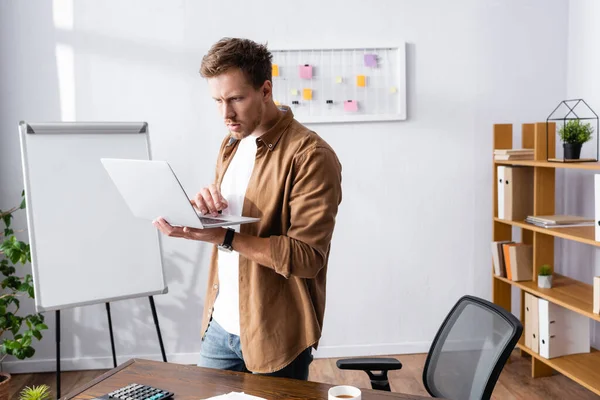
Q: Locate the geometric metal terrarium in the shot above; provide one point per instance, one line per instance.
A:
(566, 112)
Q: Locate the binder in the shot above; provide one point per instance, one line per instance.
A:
(528, 328)
(506, 254)
(561, 331)
(535, 324)
(498, 258)
(597, 205)
(596, 295)
(518, 193)
(500, 199)
(521, 261)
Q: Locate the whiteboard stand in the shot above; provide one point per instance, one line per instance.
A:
(71, 199)
(112, 339)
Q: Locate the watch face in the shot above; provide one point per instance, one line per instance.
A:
(228, 249)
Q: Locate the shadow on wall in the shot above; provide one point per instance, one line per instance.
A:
(41, 83)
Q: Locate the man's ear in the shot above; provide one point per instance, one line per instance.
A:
(267, 90)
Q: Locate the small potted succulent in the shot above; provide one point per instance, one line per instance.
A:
(41, 392)
(574, 134)
(545, 277)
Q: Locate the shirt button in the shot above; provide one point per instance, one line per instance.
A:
(215, 286)
(270, 145)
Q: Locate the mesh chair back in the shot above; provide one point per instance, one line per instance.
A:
(470, 350)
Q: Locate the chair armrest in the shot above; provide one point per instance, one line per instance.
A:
(369, 364)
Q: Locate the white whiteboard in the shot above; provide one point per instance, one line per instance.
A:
(319, 96)
(86, 246)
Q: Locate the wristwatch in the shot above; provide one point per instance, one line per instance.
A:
(226, 245)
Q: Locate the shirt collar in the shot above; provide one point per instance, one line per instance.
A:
(272, 136)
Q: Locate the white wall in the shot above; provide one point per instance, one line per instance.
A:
(576, 188)
(392, 277)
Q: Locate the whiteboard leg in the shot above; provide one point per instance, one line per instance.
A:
(57, 354)
(112, 338)
(162, 347)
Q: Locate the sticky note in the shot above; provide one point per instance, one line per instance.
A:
(339, 79)
(393, 89)
(294, 92)
(307, 94)
(305, 71)
(361, 80)
(275, 70)
(277, 103)
(370, 60)
(351, 105)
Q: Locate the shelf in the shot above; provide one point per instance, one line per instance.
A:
(582, 234)
(566, 292)
(547, 164)
(582, 368)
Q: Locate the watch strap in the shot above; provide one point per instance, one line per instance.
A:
(228, 238)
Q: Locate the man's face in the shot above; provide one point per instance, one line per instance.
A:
(238, 102)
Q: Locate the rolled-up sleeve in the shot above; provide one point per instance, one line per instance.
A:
(316, 194)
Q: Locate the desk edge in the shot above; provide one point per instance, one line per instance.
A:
(99, 379)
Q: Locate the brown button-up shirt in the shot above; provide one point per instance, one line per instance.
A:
(295, 190)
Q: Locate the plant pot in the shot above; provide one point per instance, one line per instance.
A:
(572, 151)
(545, 281)
(5, 379)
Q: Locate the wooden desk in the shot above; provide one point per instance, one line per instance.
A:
(191, 382)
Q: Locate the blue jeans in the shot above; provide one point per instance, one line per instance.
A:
(222, 350)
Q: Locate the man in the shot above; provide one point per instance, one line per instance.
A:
(266, 299)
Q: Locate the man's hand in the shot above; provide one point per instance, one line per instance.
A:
(211, 235)
(209, 200)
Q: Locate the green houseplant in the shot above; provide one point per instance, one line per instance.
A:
(574, 134)
(545, 277)
(41, 392)
(23, 328)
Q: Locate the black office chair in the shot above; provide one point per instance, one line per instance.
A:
(466, 356)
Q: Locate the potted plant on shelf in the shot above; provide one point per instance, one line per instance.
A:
(41, 392)
(574, 134)
(545, 277)
(15, 253)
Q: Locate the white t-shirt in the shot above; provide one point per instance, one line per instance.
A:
(233, 188)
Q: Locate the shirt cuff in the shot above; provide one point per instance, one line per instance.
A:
(280, 253)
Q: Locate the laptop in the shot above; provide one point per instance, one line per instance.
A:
(151, 190)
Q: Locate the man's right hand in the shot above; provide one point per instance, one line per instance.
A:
(209, 200)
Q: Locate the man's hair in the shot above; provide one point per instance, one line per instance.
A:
(253, 59)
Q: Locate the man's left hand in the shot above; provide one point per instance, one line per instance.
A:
(211, 235)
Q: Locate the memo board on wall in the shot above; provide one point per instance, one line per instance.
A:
(342, 85)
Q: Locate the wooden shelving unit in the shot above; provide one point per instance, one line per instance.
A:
(581, 234)
(566, 292)
(582, 368)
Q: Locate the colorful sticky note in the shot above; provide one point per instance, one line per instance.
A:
(294, 92)
(307, 94)
(370, 60)
(351, 105)
(275, 70)
(361, 80)
(393, 89)
(305, 71)
(338, 79)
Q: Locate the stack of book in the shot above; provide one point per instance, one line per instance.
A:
(558, 221)
(513, 261)
(513, 154)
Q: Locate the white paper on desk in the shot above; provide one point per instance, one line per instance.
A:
(236, 396)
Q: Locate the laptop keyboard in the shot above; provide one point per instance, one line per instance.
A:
(205, 220)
